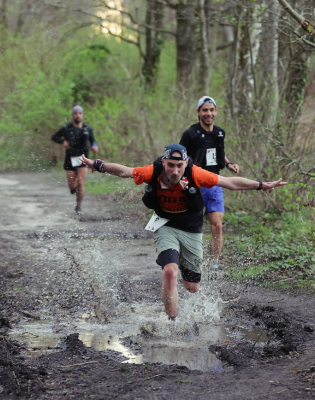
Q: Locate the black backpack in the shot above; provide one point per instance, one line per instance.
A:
(194, 193)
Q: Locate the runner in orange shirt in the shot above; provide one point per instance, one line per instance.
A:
(173, 192)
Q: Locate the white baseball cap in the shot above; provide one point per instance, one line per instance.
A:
(205, 99)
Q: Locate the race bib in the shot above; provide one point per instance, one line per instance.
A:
(155, 223)
(76, 162)
(211, 156)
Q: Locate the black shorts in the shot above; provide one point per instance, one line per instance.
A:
(172, 256)
(68, 166)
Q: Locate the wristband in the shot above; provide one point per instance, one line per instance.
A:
(260, 185)
(227, 164)
(98, 165)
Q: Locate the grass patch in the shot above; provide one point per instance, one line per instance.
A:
(103, 184)
(272, 250)
(251, 272)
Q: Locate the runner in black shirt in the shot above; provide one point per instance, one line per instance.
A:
(205, 145)
(76, 137)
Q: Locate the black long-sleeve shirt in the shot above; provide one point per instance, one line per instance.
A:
(78, 138)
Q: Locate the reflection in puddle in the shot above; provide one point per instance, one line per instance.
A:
(194, 358)
(190, 351)
(184, 343)
(36, 345)
(258, 335)
(105, 341)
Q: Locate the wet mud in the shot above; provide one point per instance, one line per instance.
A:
(81, 313)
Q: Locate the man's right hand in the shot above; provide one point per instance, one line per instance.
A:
(66, 145)
(234, 168)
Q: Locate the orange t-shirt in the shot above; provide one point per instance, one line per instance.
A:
(175, 200)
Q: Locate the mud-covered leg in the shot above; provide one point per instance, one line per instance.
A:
(81, 175)
(169, 289)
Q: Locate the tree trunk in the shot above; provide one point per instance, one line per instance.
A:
(234, 68)
(213, 34)
(274, 103)
(269, 52)
(205, 63)
(185, 43)
(154, 41)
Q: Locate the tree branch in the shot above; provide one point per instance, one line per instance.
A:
(308, 42)
(288, 157)
(307, 25)
(128, 41)
(129, 15)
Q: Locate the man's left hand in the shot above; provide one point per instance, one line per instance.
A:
(87, 162)
(272, 185)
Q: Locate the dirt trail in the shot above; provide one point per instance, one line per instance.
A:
(79, 281)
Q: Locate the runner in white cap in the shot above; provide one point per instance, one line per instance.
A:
(204, 142)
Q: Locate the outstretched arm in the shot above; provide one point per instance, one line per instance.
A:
(238, 183)
(114, 169)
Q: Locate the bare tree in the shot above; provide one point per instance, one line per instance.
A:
(185, 42)
(154, 40)
(204, 76)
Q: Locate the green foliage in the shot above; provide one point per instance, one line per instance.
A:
(32, 102)
(87, 68)
(272, 249)
(269, 154)
(106, 119)
(130, 123)
(42, 79)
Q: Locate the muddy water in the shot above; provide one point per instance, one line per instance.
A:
(107, 253)
(149, 340)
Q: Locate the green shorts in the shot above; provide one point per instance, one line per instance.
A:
(188, 245)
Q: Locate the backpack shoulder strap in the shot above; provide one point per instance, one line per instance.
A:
(157, 170)
(188, 172)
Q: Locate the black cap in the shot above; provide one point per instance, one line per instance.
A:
(169, 150)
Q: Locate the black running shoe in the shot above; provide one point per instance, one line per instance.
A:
(73, 191)
(78, 210)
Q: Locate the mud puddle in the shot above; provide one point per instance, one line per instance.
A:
(149, 341)
(46, 267)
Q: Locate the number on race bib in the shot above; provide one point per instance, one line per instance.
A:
(211, 157)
